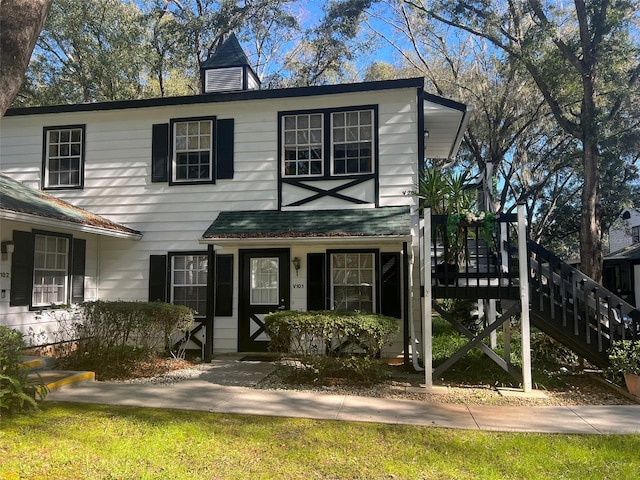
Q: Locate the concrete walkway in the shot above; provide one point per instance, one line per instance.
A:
(225, 387)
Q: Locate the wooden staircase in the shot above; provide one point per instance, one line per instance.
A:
(563, 302)
(575, 310)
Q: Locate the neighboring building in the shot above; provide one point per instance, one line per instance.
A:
(625, 231)
(622, 265)
(234, 202)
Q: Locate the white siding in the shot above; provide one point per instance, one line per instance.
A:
(41, 327)
(620, 232)
(173, 218)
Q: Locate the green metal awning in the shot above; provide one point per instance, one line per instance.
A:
(389, 222)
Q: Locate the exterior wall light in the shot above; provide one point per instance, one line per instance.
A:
(296, 264)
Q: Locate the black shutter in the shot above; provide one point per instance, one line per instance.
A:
(21, 269)
(160, 152)
(224, 148)
(316, 281)
(78, 270)
(391, 292)
(158, 278)
(224, 285)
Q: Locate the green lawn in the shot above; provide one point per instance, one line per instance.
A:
(67, 441)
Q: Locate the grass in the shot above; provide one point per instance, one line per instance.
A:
(66, 441)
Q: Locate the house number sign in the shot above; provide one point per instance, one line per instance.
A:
(298, 285)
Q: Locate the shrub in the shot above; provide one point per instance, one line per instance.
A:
(113, 335)
(16, 394)
(624, 357)
(332, 343)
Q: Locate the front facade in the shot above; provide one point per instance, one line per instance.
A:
(245, 201)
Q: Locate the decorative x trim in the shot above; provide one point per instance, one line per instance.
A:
(332, 192)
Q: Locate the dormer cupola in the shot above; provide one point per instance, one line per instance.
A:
(228, 70)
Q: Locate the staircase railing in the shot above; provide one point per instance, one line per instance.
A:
(576, 304)
(467, 264)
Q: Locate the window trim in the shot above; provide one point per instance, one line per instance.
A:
(172, 151)
(44, 180)
(375, 301)
(68, 273)
(170, 284)
(327, 143)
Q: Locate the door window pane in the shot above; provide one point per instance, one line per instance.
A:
(265, 281)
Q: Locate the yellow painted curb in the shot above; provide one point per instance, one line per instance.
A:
(35, 363)
(71, 379)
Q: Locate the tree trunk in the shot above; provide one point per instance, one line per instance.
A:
(20, 24)
(590, 228)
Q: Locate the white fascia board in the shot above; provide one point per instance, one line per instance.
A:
(57, 223)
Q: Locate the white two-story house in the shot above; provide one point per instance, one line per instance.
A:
(236, 202)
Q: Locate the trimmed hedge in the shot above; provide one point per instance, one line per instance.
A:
(329, 332)
(332, 343)
(112, 335)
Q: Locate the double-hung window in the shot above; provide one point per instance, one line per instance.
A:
(352, 141)
(303, 144)
(50, 270)
(193, 158)
(353, 281)
(189, 282)
(63, 157)
(328, 143)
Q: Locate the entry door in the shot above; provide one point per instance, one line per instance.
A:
(264, 280)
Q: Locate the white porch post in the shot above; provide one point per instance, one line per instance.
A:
(427, 347)
(523, 264)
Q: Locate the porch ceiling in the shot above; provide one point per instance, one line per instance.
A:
(379, 223)
(445, 121)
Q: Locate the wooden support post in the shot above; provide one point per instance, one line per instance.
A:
(523, 257)
(427, 347)
(490, 315)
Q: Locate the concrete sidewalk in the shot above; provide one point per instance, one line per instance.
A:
(218, 390)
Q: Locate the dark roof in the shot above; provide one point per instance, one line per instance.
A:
(21, 199)
(632, 252)
(229, 54)
(389, 221)
(263, 94)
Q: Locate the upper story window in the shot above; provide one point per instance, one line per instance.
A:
(193, 151)
(635, 234)
(303, 144)
(327, 143)
(352, 138)
(63, 158)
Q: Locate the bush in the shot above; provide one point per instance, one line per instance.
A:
(115, 335)
(331, 343)
(15, 393)
(624, 357)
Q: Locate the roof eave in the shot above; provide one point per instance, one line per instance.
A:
(351, 239)
(462, 127)
(57, 223)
